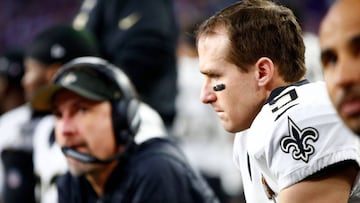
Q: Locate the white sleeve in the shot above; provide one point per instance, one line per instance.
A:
(49, 161)
(298, 134)
(302, 145)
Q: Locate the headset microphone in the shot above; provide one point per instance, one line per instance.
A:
(87, 158)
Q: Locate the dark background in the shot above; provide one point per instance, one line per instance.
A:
(20, 20)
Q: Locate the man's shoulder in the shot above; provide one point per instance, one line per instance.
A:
(160, 160)
(158, 149)
(11, 124)
(159, 154)
(307, 101)
(17, 115)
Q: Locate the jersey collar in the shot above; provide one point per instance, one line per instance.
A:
(278, 90)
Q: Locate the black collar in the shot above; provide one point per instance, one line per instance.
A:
(278, 90)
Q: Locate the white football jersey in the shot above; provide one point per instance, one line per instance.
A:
(11, 127)
(296, 134)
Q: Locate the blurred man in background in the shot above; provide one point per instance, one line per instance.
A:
(43, 57)
(140, 37)
(116, 146)
(11, 73)
(340, 56)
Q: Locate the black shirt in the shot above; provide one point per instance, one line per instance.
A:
(145, 49)
(157, 172)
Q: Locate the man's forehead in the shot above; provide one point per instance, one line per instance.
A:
(340, 23)
(213, 49)
(343, 13)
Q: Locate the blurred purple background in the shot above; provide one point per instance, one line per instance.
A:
(20, 20)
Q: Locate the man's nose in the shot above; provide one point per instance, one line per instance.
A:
(207, 94)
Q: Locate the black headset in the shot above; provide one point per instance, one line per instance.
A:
(125, 109)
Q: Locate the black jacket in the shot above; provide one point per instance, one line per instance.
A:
(156, 172)
(140, 36)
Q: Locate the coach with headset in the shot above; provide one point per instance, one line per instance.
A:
(115, 145)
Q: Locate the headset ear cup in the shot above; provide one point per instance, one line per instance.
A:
(133, 116)
(126, 119)
(119, 119)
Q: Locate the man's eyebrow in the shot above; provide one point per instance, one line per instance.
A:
(206, 72)
(353, 43)
(209, 73)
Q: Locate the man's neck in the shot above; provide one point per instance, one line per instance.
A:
(99, 178)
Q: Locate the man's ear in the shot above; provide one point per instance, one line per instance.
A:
(265, 70)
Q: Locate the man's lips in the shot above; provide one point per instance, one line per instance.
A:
(347, 101)
(78, 147)
(350, 108)
(220, 113)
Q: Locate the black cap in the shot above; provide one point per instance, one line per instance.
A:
(60, 44)
(84, 83)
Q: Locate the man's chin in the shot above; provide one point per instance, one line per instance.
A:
(76, 171)
(77, 168)
(230, 128)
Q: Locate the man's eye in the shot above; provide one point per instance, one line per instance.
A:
(57, 114)
(328, 60)
(357, 51)
(82, 108)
